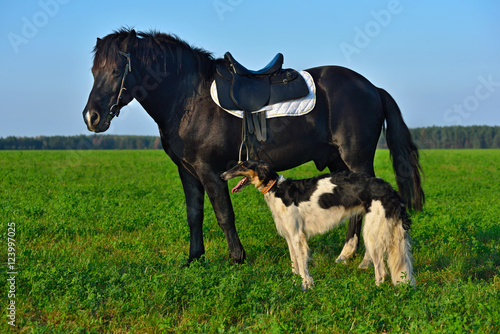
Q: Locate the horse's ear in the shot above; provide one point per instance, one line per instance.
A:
(98, 42)
(128, 41)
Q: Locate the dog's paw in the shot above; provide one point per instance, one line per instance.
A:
(341, 259)
(365, 263)
(307, 283)
(348, 251)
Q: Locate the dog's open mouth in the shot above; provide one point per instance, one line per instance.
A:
(242, 184)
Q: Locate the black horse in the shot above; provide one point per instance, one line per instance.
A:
(171, 80)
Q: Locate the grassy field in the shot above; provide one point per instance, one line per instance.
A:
(100, 238)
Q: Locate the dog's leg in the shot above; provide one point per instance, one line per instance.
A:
(367, 260)
(379, 265)
(293, 256)
(351, 244)
(302, 251)
(377, 256)
(375, 236)
(287, 230)
(350, 248)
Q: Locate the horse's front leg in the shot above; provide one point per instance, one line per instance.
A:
(195, 196)
(218, 194)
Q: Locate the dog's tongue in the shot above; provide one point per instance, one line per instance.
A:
(238, 186)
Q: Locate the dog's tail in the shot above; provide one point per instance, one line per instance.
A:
(386, 234)
(399, 257)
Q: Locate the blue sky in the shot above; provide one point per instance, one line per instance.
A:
(440, 60)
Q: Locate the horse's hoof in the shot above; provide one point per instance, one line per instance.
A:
(191, 260)
(239, 258)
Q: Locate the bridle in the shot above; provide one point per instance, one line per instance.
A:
(114, 111)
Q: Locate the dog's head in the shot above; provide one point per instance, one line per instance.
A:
(258, 173)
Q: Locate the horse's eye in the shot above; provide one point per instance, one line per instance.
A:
(117, 72)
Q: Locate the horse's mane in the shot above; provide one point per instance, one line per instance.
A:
(150, 48)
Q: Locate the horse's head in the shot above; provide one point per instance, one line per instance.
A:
(113, 80)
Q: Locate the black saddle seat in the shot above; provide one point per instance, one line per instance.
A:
(239, 88)
(271, 68)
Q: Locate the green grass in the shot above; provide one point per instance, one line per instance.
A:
(101, 237)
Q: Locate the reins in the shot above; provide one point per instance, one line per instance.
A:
(114, 111)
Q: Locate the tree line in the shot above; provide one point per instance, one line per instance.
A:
(81, 142)
(477, 136)
(427, 137)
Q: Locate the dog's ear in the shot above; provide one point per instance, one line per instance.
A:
(265, 172)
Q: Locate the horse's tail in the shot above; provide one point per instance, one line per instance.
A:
(404, 154)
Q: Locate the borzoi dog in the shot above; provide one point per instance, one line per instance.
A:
(303, 208)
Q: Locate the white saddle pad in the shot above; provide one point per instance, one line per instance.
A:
(297, 107)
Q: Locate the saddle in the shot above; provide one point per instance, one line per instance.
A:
(239, 88)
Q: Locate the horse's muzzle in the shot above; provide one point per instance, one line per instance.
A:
(93, 120)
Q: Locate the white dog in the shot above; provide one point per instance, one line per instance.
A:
(303, 208)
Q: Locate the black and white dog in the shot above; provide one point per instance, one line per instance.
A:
(303, 208)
